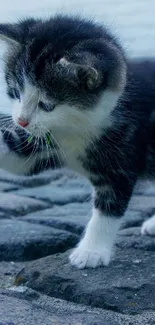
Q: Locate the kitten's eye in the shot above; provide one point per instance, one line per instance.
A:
(46, 107)
(14, 93)
(17, 93)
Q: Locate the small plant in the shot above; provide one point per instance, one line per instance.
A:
(30, 138)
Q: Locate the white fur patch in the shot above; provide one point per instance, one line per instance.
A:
(26, 107)
(72, 128)
(95, 248)
(148, 227)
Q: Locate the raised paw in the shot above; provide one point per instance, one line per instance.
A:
(148, 227)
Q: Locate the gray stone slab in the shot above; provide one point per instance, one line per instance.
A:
(21, 240)
(3, 215)
(127, 285)
(18, 205)
(67, 190)
(145, 188)
(74, 217)
(131, 238)
(23, 306)
(73, 181)
(142, 203)
(6, 187)
(133, 219)
(36, 310)
(58, 195)
(31, 181)
(71, 217)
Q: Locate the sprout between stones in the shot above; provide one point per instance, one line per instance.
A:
(47, 139)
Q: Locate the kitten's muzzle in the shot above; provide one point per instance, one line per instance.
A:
(23, 123)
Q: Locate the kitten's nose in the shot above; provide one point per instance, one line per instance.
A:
(23, 123)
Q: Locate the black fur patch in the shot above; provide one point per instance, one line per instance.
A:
(44, 43)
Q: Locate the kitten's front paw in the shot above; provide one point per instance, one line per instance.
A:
(84, 257)
(148, 227)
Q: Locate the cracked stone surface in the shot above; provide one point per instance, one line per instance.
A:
(124, 286)
(34, 250)
(43, 217)
(28, 307)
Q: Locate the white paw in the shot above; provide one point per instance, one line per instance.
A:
(83, 257)
(148, 227)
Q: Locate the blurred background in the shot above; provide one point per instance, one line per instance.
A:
(133, 21)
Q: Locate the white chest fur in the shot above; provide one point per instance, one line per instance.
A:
(73, 148)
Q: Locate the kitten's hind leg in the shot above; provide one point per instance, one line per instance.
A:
(148, 227)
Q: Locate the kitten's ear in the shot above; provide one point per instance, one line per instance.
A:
(9, 33)
(84, 74)
(17, 34)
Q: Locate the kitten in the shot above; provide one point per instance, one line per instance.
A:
(87, 108)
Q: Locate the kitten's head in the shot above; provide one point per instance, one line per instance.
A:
(62, 72)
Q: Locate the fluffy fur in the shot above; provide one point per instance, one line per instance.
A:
(71, 84)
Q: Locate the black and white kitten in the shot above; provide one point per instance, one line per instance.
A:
(88, 109)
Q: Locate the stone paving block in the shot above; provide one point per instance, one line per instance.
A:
(68, 190)
(142, 203)
(145, 188)
(133, 219)
(71, 217)
(58, 195)
(18, 205)
(24, 306)
(73, 181)
(21, 240)
(3, 215)
(131, 238)
(75, 216)
(126, 286)
(6, 187)
(31, 181)
(44, 311)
